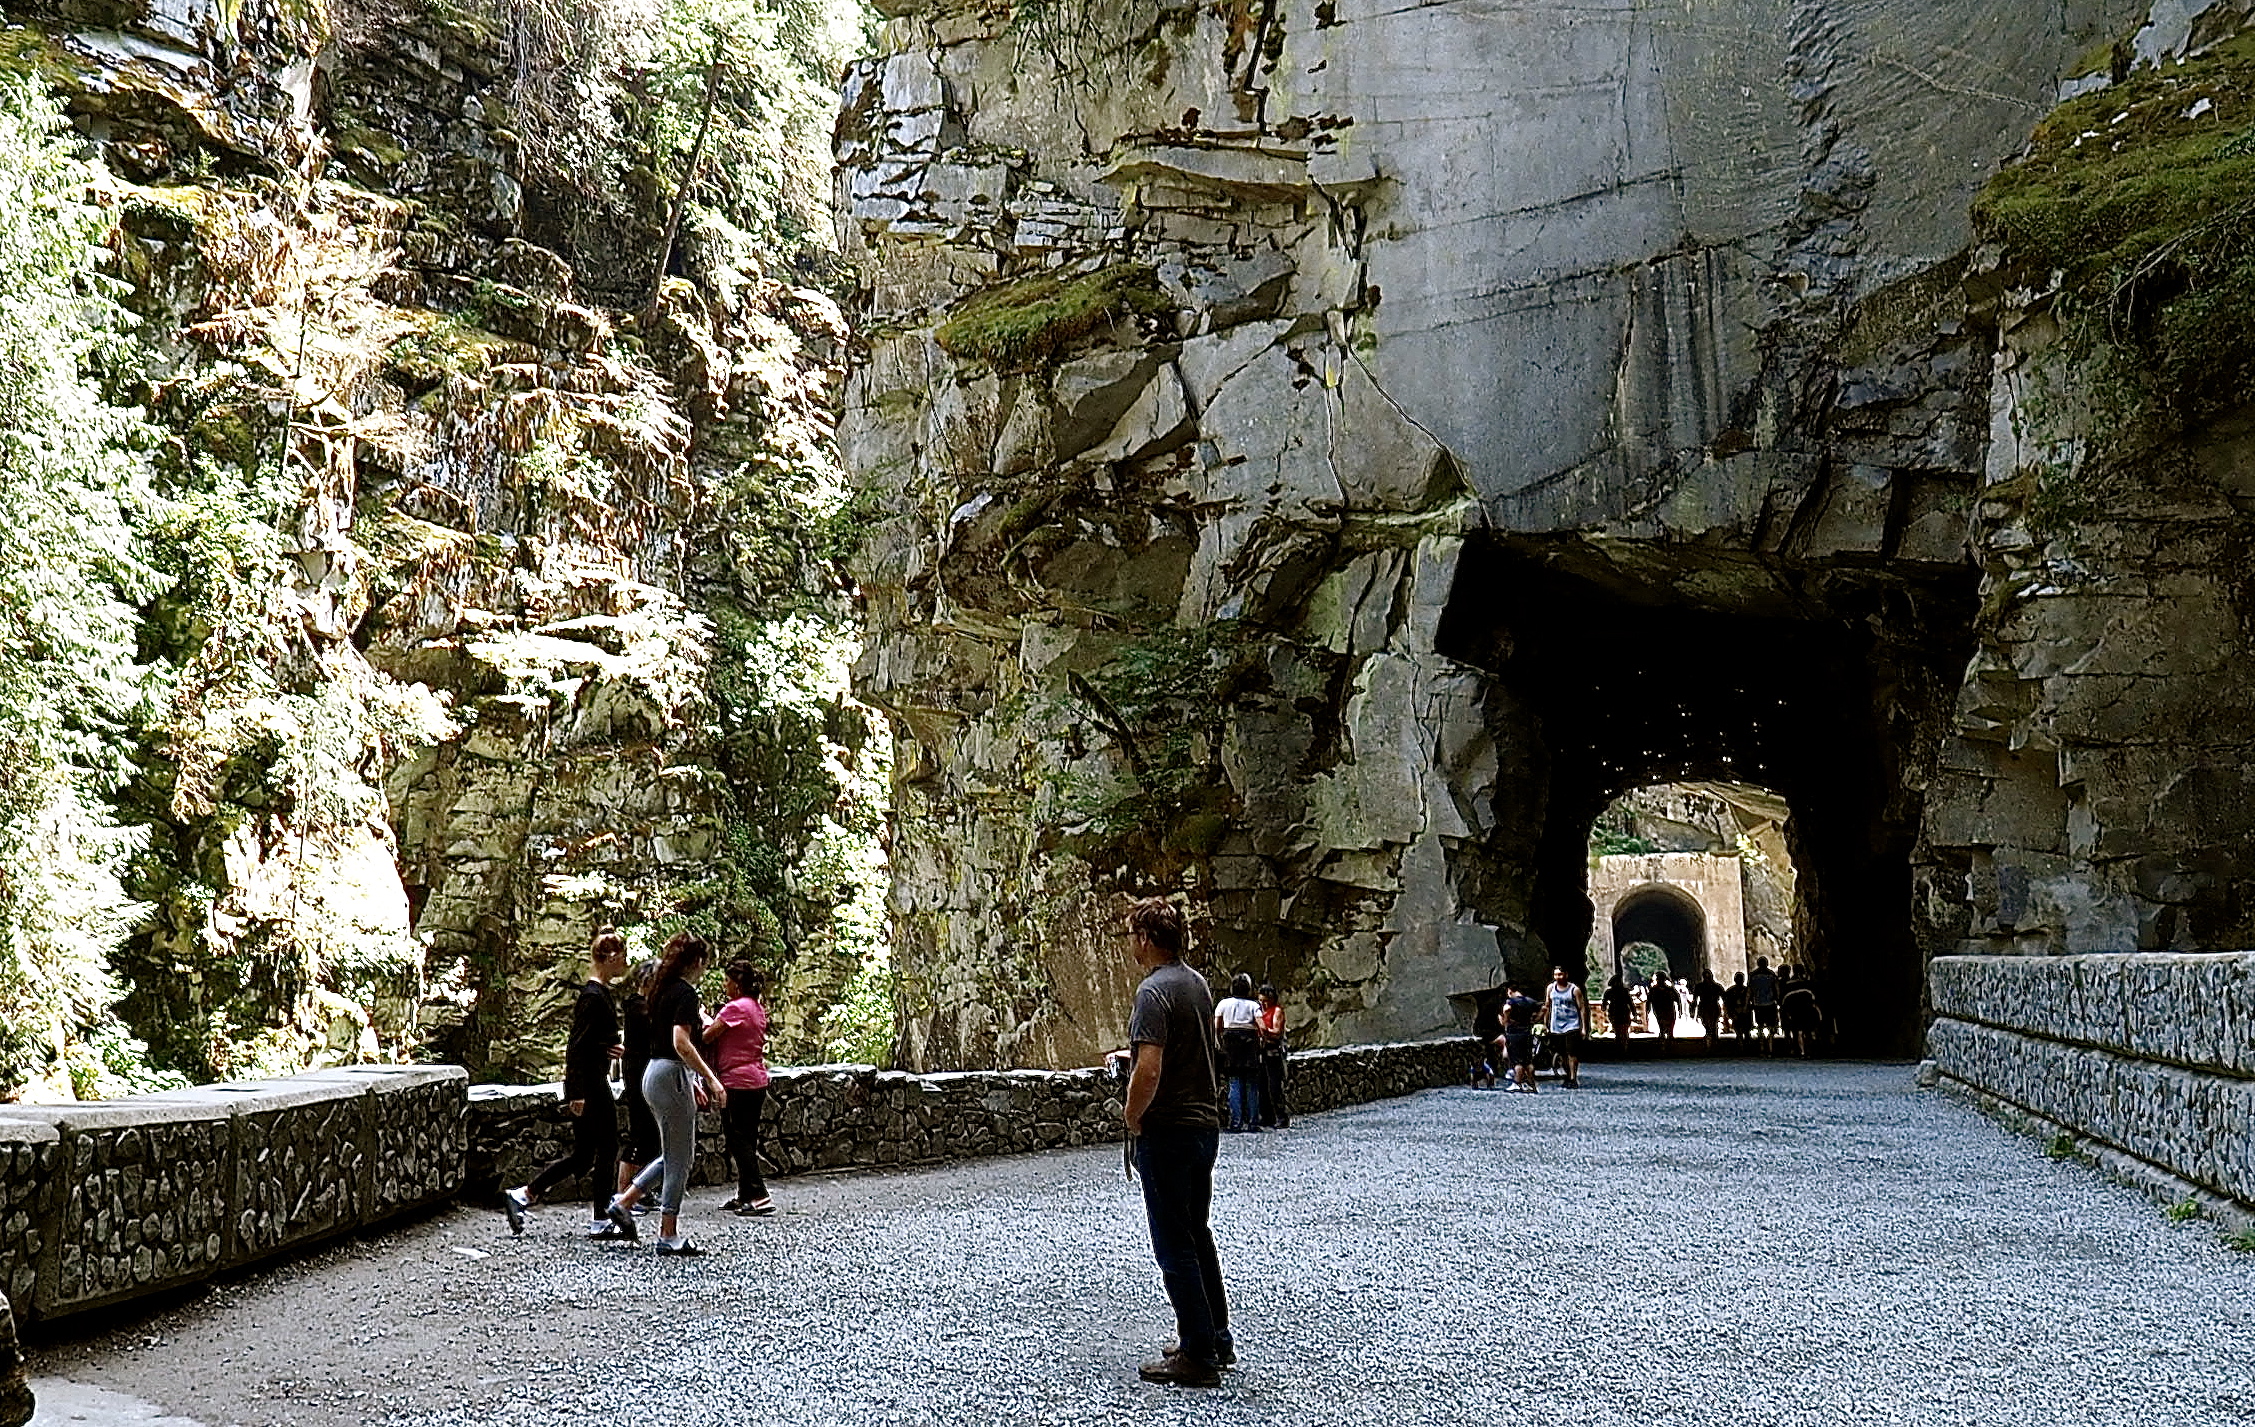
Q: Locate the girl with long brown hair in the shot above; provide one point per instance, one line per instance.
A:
(669, 1085)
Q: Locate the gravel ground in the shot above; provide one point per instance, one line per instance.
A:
(1760, 1244)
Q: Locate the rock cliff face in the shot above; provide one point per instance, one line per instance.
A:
(1328, 451)
(527, 631)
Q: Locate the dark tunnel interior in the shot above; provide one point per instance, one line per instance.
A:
(1827, 687)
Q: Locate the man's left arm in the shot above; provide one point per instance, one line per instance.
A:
(1143, 1085)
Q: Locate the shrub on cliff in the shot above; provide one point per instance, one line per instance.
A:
(72, 489)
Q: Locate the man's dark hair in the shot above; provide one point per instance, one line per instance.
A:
(609, 946)
(1241, 986)
(1159, 922)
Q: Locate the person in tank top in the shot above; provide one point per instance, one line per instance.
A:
(1565, 1013)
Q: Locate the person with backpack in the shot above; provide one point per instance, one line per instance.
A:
(1762, 998)
(593, 1045)
(1237, 1021)
(1735, 1004)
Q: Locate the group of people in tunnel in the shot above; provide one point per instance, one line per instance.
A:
(1765, 1006)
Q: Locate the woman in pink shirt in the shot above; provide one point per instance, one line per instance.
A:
(738, 1037)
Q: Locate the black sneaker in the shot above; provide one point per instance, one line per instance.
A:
(1180, 1371)
(514, 1205)
(623, 1222)
(677, 1248)
(1225, 1352)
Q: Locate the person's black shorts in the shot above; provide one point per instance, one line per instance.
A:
(1519, 1047)
(1566, 1043)
(1766, 1016)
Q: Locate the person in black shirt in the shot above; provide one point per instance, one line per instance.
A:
(1620, 1007)
(1664, 1000)
(677, 1066)
(594, 1044)
(1707, 998)
(641, 1145)
(1519, 1011)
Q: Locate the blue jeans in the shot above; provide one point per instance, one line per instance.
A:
(1244, 1102)
(1177, 1168)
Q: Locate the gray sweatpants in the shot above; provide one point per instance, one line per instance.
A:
(670, 1090)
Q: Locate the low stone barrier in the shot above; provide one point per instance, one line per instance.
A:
(2149, 1055)
(127, 1197)
(855, 1116)
(105, 1201)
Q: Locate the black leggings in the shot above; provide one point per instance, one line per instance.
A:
(595, 1153)
(742, 1124)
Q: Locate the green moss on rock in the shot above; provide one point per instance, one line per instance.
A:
(2142, 196)
(1028, 323)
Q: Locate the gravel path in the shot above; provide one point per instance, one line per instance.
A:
(1756, 1244)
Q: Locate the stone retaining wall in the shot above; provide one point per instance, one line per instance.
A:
(127, 1197)
(855, 1116)
(101, 1202)
(2149, 1055)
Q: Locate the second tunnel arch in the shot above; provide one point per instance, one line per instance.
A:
(1616, 668)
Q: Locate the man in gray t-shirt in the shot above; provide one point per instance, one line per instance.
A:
(1174, 1129)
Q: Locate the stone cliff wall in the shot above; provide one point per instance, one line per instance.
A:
(101, 1204)
(1327, 452)
(504, 601)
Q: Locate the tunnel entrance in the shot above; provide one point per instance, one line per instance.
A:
(1617, 666)
(1667, 919)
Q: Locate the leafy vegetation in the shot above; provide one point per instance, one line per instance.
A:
(1158, 701)
(2141, 195)
(74, 494)
(1028, 323)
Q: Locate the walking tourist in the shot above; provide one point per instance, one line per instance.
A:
(1237, 1020)
(1519, 1012)
(641, 1145)
(1761, 996)
(1568, 1012)
(670, 1083)
(593, 1045)
(1735, 1002)
(1707, 999)
(1665, 1001)
(1275, 1113)
(1174, 1133)
(738, 1037)
(1797, 1007)
(1620, 1007)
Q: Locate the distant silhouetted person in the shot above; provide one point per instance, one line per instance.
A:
(1707, 998)
(1735, 1001)
(1797, 1004)
(1762, 996)
(1665, 1000)
(1620, 1007)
